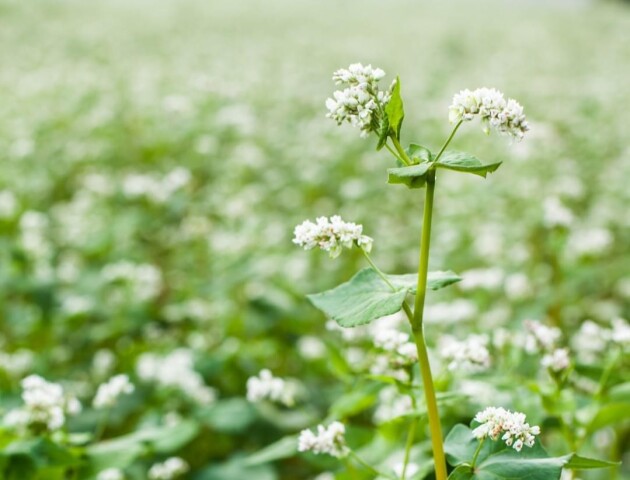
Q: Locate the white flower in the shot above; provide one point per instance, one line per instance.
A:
(485, 278)
(44, 403)
(266, 386)
(168, 470)
(497, 422)
(541, 337)
(111, 474)
(620, 332)
(176, 370)
(331, 235)
(590, 340)
(557, 360)
(361, 102)
(469, 355)
(108, 393)
(590, 242)
(391, 405)
(390, 339)
(329, 440)
(494, 111)
(556, 214)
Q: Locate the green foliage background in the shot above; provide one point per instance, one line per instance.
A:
(234, 92)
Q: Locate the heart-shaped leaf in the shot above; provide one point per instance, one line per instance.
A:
(465, 162)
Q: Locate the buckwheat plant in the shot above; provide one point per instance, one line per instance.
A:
(502, 444)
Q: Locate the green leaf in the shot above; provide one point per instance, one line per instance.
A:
(237, 469)
(435, 280)
(364, 298)
(419, 153)
(463, 472)
(383, 133)
(465, 162)
(394, 110)
(354, 401)
(610, 414)
(583, 463)
(414, 176)
(44, 452)
(232, 415)
(284, 448)
(497, 461)
(123, 451)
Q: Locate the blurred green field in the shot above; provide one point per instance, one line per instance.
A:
(156, 156)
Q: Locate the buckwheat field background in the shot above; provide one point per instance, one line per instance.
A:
(156, 157)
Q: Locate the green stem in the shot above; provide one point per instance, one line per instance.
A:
(448, 140)
(474, 459)
(394, 153)
(369, 467)
(418, 330)
(412, 428)
(403, 155)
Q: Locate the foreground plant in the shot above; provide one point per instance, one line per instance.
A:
(372, 294)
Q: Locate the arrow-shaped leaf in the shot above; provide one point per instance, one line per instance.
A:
(465, 162)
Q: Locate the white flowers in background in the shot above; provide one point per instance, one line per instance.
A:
(517, 286)
(390, 339)
(155, 189)
(391, 404)
(331, 235)
(555, 214)
(111, 474)
(557, 360)
(589, 242)
(17, 363)
(497, 422)
(495, 112)
(168, 470)
(484, 278)
(195, 309)
(541, 337)
(8, 204)
(620, 332)
(44, 404)
(590, 341)
(456, 311)
(328, 440)
(311, 347)
(412, 469)
(103, 362)
(108, 392)
(175, 370)
(361, 102)
(469, 355)
(145, 280)
(267, 387)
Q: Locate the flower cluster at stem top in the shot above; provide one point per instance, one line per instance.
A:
(505, 116)
(331, 235)
(361, 103)
(497, 422)
(329, 440)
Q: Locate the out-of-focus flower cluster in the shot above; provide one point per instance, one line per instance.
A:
(331, 235)
(329, 440)
(266, 386)
(168, 470)
(45, 405)
(108, 393)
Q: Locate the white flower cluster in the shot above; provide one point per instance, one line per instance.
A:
(44, 404)
(396, 343)
(176, 370)
(361, 102)
(266, 386)
(391, 405)
(329, 440)
(456, 311)
(544, 339)
(168, 470)
(506, 117)
(510, 426)
(469, 355)
(591, 340)
(16, 363)
(156, 190)
(111, 474)
(145, 280)
(331, 235)
(108, 392)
